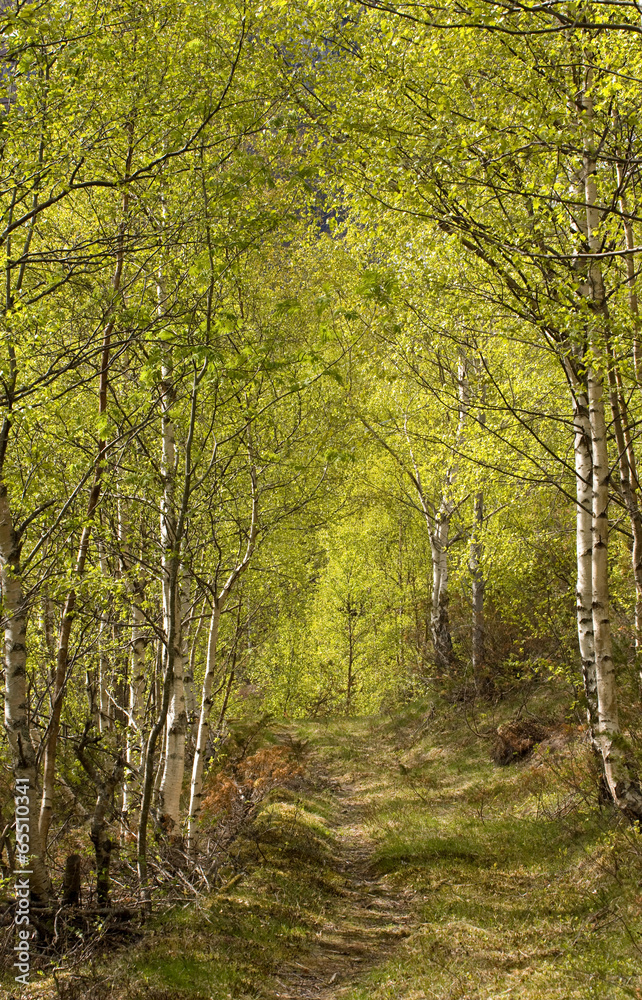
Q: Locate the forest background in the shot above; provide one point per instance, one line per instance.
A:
(320, 384)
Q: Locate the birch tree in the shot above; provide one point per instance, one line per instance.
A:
(528, 262)
(219, 601)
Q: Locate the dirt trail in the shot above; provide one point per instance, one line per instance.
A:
(367, 924)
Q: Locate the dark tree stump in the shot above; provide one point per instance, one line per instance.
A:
(515, 740)
(71, 882)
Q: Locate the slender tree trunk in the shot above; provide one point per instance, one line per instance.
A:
(628, 465)
(134, 743)
(99, 829)
(220, 600)
(62, 666)
(16, 718)
(172, 780)
(439, 618)
(226, 699)
(630, 497)
(352, 618)
(438, 528)
(196, 786)
(62, 655)
(626, 792)
(188, 673)
(631, 277)
(584, 546)
(135, 712)
(30, 849)
(193, 721)
(480, 675)
(148, 772)
(171, 784)
(104, 708)
(160, 770)
(400, 613)
(171, 564)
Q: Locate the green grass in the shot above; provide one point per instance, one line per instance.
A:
(517, 884)
(512, 900)
(238, 941)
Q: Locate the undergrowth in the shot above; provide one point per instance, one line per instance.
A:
(518, 881)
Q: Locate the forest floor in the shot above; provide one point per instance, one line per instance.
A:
(403, 863)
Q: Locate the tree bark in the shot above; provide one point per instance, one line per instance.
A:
(626, 792)
(62, 655)
(104, 712)
(629, 496)
(16, 719)
(480, 674)
(196, 785)
(135, 711)
(172, 780)
(188, 672)
(631, 277)
(439, 619)
(99, 829)
(220, 600)
(584, 550)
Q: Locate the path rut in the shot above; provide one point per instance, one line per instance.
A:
(369, 922)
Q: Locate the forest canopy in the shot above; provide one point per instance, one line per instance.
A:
(321, 386)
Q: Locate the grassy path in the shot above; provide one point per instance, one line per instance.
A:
(405, 865)
(366, 921)
(499, 882)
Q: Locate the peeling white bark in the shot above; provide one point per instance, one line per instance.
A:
(626, 792)
(172, 780)
(439, 620)
(584, 550)
(16, 719)
(135, 710)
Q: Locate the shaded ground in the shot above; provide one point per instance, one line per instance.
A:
(406, 865)
(366, 923)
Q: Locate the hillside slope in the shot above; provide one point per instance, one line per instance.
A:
(405, 864)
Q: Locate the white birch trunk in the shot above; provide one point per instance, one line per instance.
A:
(135, 721)
(438, 527)
(439, 537)
(104, 713)
(584, 550)
(478, 590)
(172, 780)
(625, 792)
(16, 718)
(188, 663)
(220, 600)
(196, 785)
(136, 688)
(193, 720)
(439, 621)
